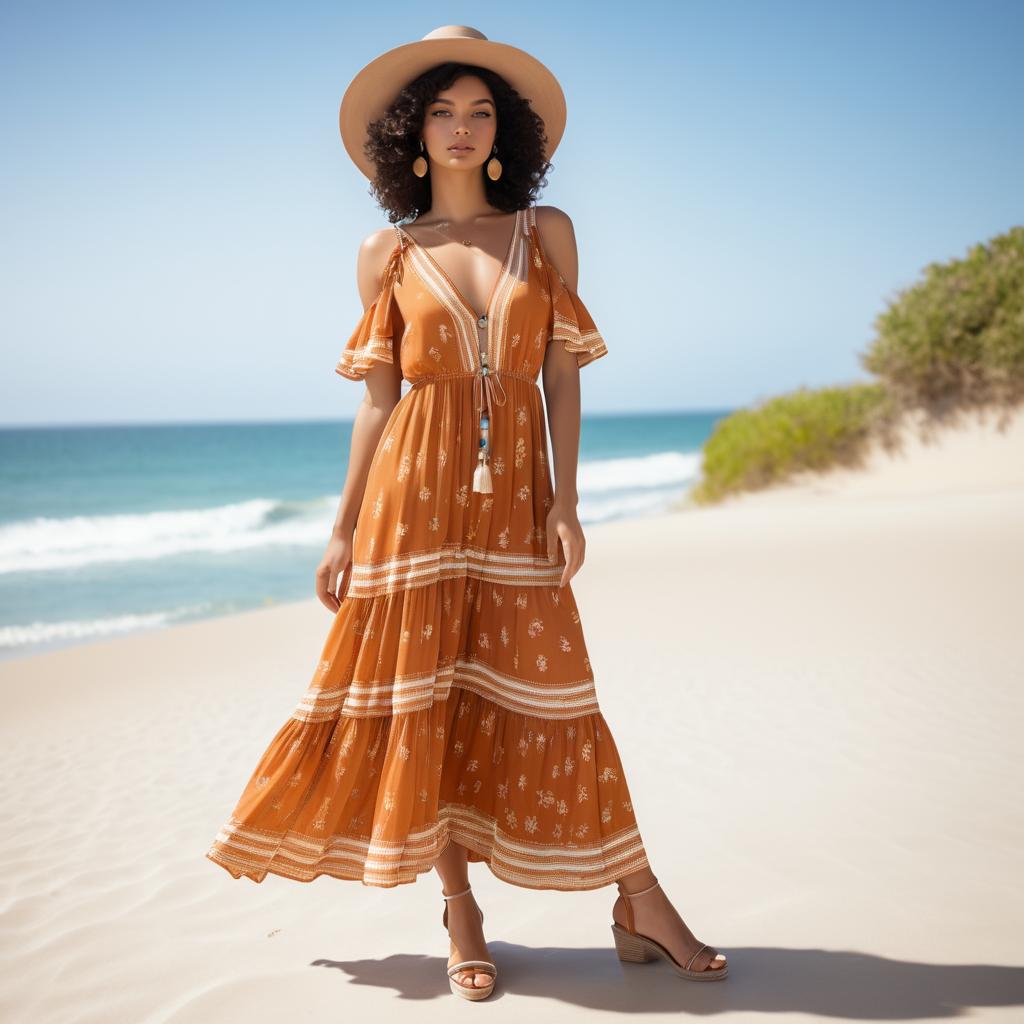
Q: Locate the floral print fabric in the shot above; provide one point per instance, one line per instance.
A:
(454, 695)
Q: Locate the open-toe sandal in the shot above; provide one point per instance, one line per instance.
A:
(635, 948)
(473, 991)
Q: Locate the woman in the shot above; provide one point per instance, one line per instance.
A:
(453, 715)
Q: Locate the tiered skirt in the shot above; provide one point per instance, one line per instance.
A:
(368, 781)
(453, 699)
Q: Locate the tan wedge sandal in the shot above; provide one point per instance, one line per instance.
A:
(467, 992)
(635, 948)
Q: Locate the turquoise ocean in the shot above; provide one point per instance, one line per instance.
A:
(108, 530)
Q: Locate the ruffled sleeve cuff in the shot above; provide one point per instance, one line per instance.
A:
(571, 322)
(372, 341)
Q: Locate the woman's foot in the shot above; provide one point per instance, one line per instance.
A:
(465, 928)
(656, 917)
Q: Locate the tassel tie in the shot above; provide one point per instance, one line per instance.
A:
(484, 385)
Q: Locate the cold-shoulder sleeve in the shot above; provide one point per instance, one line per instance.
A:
(571, 322)
(374, 338)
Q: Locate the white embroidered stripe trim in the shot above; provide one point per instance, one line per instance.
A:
(385, 869)
(567, 700)
(568, 331)
(376, 857)
(369, 579)
(441, 291)
(424, 838)
(453, 551)
(515, 273)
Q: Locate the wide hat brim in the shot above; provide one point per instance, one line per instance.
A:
(375, 87)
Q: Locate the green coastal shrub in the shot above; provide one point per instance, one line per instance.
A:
(953, 341)
(805, 429)
(956, 339)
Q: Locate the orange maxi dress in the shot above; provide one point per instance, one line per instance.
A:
(454, 697)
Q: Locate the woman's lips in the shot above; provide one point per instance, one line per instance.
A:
(460, 149)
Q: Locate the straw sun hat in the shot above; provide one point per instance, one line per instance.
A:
(374, 88)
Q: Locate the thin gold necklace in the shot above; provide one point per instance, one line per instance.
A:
(440, 227)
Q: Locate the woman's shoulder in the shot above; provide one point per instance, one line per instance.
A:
(379, 244)
(553, 218)
(558, 240)
(374, 256)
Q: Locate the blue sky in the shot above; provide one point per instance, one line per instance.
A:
(750, 183)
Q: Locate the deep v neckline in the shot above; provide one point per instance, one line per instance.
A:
(456, 293)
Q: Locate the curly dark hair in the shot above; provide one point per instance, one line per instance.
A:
(394, 142)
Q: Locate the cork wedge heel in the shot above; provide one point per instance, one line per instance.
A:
(485, 966)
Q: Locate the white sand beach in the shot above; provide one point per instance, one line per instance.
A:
(830, 673)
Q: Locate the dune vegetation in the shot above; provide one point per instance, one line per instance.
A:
(951, 342)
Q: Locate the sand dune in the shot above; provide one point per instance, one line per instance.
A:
(831, 673)
(978, 452)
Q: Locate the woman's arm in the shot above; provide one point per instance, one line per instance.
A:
(561, 378)
(383, 389)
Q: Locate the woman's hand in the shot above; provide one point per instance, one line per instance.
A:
(564, 525)
(337, 562)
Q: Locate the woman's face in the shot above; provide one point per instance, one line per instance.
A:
(460, 125)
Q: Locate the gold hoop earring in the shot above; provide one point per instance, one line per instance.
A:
(419, 165)
(494, 166)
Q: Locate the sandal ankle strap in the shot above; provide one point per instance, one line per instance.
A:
(626, 897)
(454, 894)
(642, 891)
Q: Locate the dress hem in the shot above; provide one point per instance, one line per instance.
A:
(238, 873)
(633, 858)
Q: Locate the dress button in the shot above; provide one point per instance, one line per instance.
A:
(482, 322)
